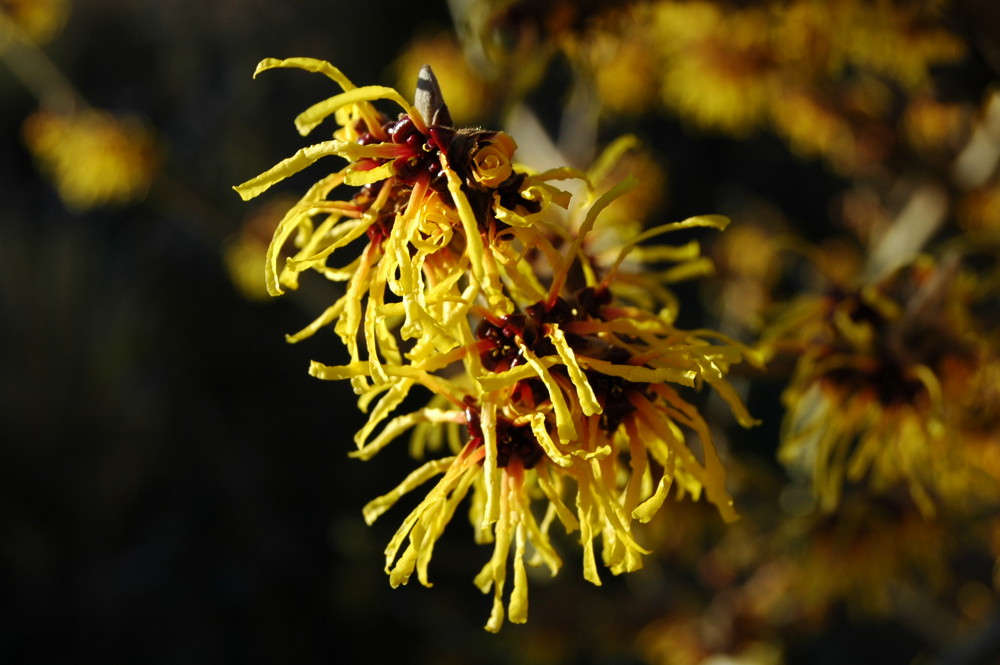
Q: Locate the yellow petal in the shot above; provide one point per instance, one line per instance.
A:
(473, 239)
(588, 400)
(739, 410)
(326, 318)
(357, 178)
(541, 433)
(308, 64)
(491, 474)
(287, 167)
(492, 382)
(610, 157)
(377, 506)
(645, 511)
(317, 113)
(711, 221)
(551, 487)
(293, 221)
(564, 419)
(640, 374)
(584, 508)
(397, 426)
(518, 606)
(588, 223)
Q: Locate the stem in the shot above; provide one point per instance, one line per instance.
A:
(35, 70)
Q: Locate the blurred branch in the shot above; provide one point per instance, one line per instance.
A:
(35, 70)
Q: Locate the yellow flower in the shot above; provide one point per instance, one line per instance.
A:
(812, 127)
(744, 282)
(411, 198)
(936, 128)
(862, 553)
(94, 157)
(475, 283)
(867, 400)
(618, 54)
(719, 72)
(897, 40)
(966, 474)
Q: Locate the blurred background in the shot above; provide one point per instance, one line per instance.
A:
(176, 489)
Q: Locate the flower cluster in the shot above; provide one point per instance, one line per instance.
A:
(824, 76)
(556, 388)
(892, 386)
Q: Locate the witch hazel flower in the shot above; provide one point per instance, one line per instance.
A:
(553, 397)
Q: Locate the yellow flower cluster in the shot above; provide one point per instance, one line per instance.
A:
(811, 70)
(823, 75)
(891, 387)
(554, 392)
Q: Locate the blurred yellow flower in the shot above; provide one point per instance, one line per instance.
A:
(618, 54)
(826, 76)
(895, 40)
(898, 40)
(864, 555)
(719, 73)
(745, 279)
(934, 128)
(866, 402)
(93, 157)
(813, 128)
(967, 475)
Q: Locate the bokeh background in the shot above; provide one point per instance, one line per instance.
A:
(174, 487)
